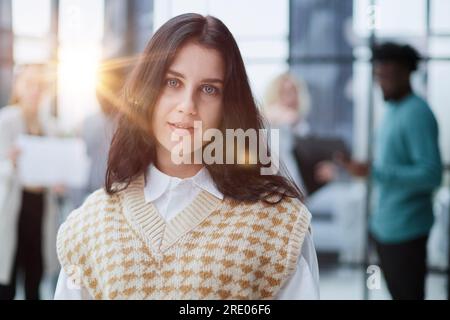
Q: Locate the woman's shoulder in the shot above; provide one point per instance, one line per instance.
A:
(86, 222)
(294, 207)
(286, 207)
(94, 205)
(292, 203)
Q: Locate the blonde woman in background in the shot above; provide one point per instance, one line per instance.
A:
(286, 104)
(27, 217)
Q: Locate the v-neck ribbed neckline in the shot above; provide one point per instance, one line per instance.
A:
(158, 234)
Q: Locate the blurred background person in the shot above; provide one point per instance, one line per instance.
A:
(329, 191)
(27, 213)
(406, 170)
(286, 105)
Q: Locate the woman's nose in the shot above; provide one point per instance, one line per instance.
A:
(187, 104)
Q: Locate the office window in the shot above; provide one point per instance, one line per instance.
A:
(439, 97)
(80, 50)
(321, 54)
(384, 17)
(440, 22)
(31, 27)
(31, 18)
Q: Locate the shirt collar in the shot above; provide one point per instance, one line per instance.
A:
(159, 183)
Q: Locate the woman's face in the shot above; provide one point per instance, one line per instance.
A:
(192, 91)
(30, 87)
(289, 94)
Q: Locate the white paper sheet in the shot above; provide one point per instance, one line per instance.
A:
(49, 161)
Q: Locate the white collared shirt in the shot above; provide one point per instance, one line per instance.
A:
(171, 195)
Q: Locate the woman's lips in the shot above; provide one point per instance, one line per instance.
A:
(181, 131)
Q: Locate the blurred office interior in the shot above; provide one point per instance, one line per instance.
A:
(326, 43)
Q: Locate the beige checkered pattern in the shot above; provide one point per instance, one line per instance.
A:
(121, 248)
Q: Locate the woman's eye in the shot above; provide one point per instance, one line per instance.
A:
(173, 83)
(209, 90)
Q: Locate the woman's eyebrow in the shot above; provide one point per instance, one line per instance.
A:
(172, 72)
(178, 74)
(213, 80)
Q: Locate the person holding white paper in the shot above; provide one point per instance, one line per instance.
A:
(27, 217)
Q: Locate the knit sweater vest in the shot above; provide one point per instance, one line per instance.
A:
(119, 247)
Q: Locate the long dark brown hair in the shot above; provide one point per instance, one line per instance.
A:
(133, 145)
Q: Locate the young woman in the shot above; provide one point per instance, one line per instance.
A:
(161, 230)
(27, 213)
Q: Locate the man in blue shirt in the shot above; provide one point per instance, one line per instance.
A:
(406, 169)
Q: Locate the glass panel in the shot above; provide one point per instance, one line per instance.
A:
(163, 10)
(360, 87)
(31, 18)
(384, 17)
(364, 17)
(182, 6)
(413, 17)
(81, 32)
(81, 20)
(260, 76)
(440, 10)
(253, 18)
(438, 98)
(264, 49)
(271, 20)
(330, 88)
(31, 50)
(439, 47)
(320, 27)
(77, 77)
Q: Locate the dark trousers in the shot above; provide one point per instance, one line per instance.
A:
(404, 268)
(28, 257)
